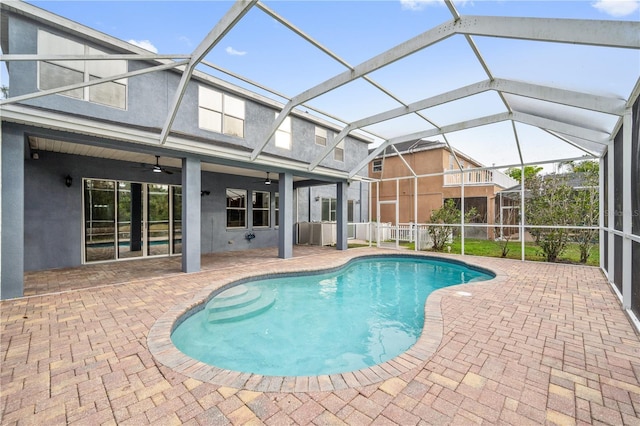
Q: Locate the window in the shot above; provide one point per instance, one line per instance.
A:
(321, 136)
(283, 134)
(338, 153)
(377, 166)
(260, 203)
(329, 210)
(277, 210)
(53, 74)
(236, 208)
(220, 112)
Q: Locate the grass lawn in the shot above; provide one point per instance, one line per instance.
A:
(531, 251)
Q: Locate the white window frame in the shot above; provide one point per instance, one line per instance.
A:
(338, 152)
(262, 209)
(321, 136)
(276, 210)
(222, 107)
(243, 208)
(89, 69)
(283, 137)
(376, 166)
(333, 205)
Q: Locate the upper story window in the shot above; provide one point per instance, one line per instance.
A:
(220, 112)
(377, 166)
(321, 136)
(236, 208)
(261, 206)
(283, 134)
(338, 152)
(53, 74)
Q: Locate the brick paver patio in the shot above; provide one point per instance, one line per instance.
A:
(541, 344)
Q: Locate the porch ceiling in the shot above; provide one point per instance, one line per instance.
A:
(39, 144)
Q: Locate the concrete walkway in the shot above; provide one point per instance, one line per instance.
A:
(543, 343)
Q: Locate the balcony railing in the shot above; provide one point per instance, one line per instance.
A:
(479, 177)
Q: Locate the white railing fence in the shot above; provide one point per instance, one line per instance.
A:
(480, 177)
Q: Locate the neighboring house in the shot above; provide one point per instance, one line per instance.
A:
(418, 176)
(120, 170)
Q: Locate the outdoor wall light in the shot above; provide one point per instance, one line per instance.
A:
(317, 198)
(68, 180)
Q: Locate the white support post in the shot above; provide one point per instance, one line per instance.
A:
(627, 208)
(522, 215)
(378, 214)
(602, 211)
(611, 211)
(397, 211)
(416, 229)
(462, 213)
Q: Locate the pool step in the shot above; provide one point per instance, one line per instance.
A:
(239, 303)
(236, 297)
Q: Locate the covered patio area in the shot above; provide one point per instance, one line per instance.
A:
(542, 343)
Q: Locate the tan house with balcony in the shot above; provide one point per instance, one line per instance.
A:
(417, 177)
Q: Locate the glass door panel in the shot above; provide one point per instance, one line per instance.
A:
(177, 219)
(99, 220)
(130, 214)
(157, 219)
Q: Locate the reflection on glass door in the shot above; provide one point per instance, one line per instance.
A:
(130, 222)
(177, 218)
(157, 219)
(99, 220)
(124, 220)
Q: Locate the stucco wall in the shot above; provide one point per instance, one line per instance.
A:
(150, 96)
(53, 212)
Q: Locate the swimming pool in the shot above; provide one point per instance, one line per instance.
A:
(359, 315)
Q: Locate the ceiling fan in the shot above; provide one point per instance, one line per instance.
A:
(267, 181)
(157, 168)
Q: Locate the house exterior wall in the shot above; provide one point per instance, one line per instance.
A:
(309, 207)
(150, 95)
(53, 212)
(431, 190)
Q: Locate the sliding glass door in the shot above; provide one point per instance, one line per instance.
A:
(124, 220)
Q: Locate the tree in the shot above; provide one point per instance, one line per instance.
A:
(570, 199)
(587, 205)
(448, 215)
(4, 91)
(549, 203)
(504, 234)
(529, 172)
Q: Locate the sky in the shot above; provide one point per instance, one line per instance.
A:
(265, 51)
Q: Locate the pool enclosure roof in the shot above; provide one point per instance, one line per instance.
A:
(507, 83)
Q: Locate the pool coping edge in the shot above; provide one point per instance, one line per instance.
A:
(166, 353)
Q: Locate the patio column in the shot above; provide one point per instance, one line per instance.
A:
(342, 216)
(285, 229)
(191, 187)
(12, 213)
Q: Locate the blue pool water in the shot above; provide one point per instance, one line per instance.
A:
(363, 314)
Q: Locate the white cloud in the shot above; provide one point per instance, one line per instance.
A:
(145, 44)
(231, 51)
(421, 4)
(186, 40)
(617, 7)
(418, 4)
